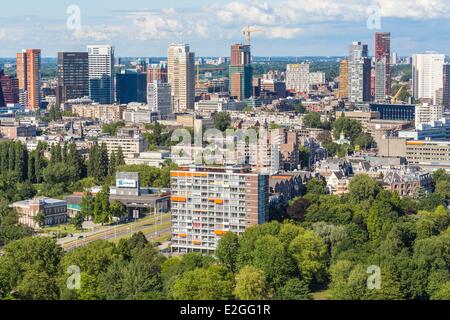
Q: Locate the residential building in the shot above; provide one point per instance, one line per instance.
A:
(159, 98)
(101, 73)
(17, 130)
(131, 144)
(316, 78)
(343, 79)
(359, 71)
(29, 75)
(427, 75)
(407, 183)
(131, 86)
(157, 72)
(241, 72)
(208, 202)
(102, 112)
(297, 77)
(426, 113)
(181, 76)
(73, 76)
(382, 65)
(54, 211)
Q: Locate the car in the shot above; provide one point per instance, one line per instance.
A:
(80, 237)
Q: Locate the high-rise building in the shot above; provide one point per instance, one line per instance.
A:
(446, 86)
(426, 113)
(427, 74)
(382, 60)
(131, 86)
(159, 98)
(343, 79)
(2, 99)
(10, 88)
(157, 72)
(209, 202)
(380, 91)
(101, 73)
(181, 76)
(359, 73)
(297, 77)
(241, 72)
(73, 76)
(29, 75)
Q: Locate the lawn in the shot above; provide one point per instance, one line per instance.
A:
(62, 228)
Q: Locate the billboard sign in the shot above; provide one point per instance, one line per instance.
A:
(126, 183)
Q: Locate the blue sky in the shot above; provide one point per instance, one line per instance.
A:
(289, 27)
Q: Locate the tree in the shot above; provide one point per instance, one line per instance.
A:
(350, 127)
(40, 219)
(304, 156)
(37, 286)
(222, 120)
(324, 137)
(362, 187)
(312, 120)
(112, 164)
(443, 293)
(120, 160)
(348, 281)
(212, 283)
(78, 221)
(297, 209)
(294, 289)
(227, 251)
(316, 186)
(271, 257)
(251, 284)
(310, 253)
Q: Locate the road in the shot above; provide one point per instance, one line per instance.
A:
(147, 226)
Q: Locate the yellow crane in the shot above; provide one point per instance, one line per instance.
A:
(249, 31)
(397, 95)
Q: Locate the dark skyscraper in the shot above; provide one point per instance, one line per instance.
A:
(73, 76)
(383, 65)
(446, 91)
(241, 72)
(2, 99)
(10, 88)
(131, 87)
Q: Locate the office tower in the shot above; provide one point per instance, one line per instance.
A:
(159, 98)
(297, 77)
(10, 88)
(380, 80)
(427, 74)
(209, 202)
(157, 72)
(359, 73)
(73, 76)
(101, 73)
(446, 86)
(2, 99)
(29, 75)
(382, 60)
(343, 79)
(131, 86)
(394, 58)
(181, 76)
(241, 72)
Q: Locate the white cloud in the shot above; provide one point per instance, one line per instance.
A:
(96, 33)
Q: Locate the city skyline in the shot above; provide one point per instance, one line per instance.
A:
(289, 27)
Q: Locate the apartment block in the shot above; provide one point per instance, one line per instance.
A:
(208, 202)
(131, 144)
(102, 112)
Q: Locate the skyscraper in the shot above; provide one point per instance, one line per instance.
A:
(10, 88)
(157, 72)
(343, 79)
(131, 86)
(73, 76)
(29, 75)
(382, 65)
(181, 76)
(427, 74)
(101, 73)
(159, 98)
(297, 77)
(2, 99)
(446, 89)
(241, 72)
(359, 73)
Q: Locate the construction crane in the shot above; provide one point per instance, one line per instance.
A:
(248, 31)
(397, 95)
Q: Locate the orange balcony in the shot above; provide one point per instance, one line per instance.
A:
(178, 199)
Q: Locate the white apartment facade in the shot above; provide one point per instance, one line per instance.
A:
(427, 74)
